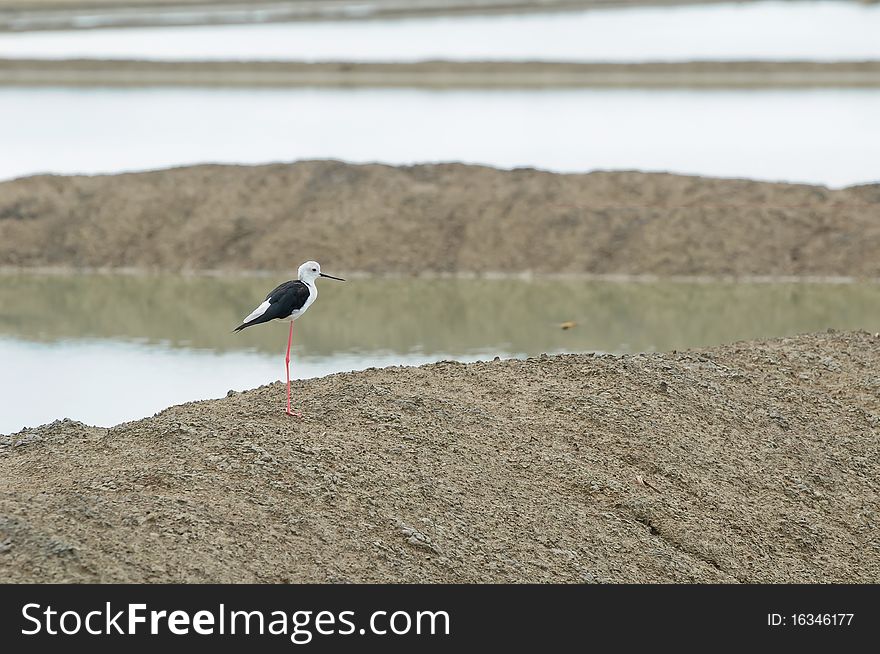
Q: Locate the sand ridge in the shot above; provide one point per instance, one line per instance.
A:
(439, 218)
(753, 462)
(440, 74)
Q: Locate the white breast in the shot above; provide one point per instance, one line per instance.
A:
(313, 294)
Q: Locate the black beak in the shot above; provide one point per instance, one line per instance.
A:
(338, 279)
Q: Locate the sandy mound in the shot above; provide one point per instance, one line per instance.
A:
(441, 74)
(755, 462)
(439, 218)
(69, 14)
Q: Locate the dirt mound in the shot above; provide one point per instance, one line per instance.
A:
(754, 462)
(18, 15)
(441, 74)
(439, 218)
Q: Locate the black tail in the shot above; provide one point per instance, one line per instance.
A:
(259, 320)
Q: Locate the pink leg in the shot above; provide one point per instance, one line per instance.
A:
(287, 364)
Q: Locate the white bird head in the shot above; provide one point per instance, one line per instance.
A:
(311, 270)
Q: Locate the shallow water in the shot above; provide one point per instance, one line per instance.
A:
(116, 347)
(753, 30)
(827, 137)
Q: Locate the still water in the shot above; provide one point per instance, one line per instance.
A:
(108, 348)
(829, 137)
(753, 30)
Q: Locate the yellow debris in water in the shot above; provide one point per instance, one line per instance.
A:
(568, 324)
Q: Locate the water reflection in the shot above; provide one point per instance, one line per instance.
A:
(820, 136)
(118, 347)
(454, 316)
(760, 30)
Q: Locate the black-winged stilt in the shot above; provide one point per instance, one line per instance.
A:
(288, 302)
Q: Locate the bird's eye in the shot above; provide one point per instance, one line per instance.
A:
(314, 270)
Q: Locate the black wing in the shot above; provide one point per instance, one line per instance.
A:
(283, 301)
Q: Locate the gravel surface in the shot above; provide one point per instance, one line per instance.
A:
(448, 218)
(753, 462)
(441, 74)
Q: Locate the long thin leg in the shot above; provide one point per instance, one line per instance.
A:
(287, 365)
